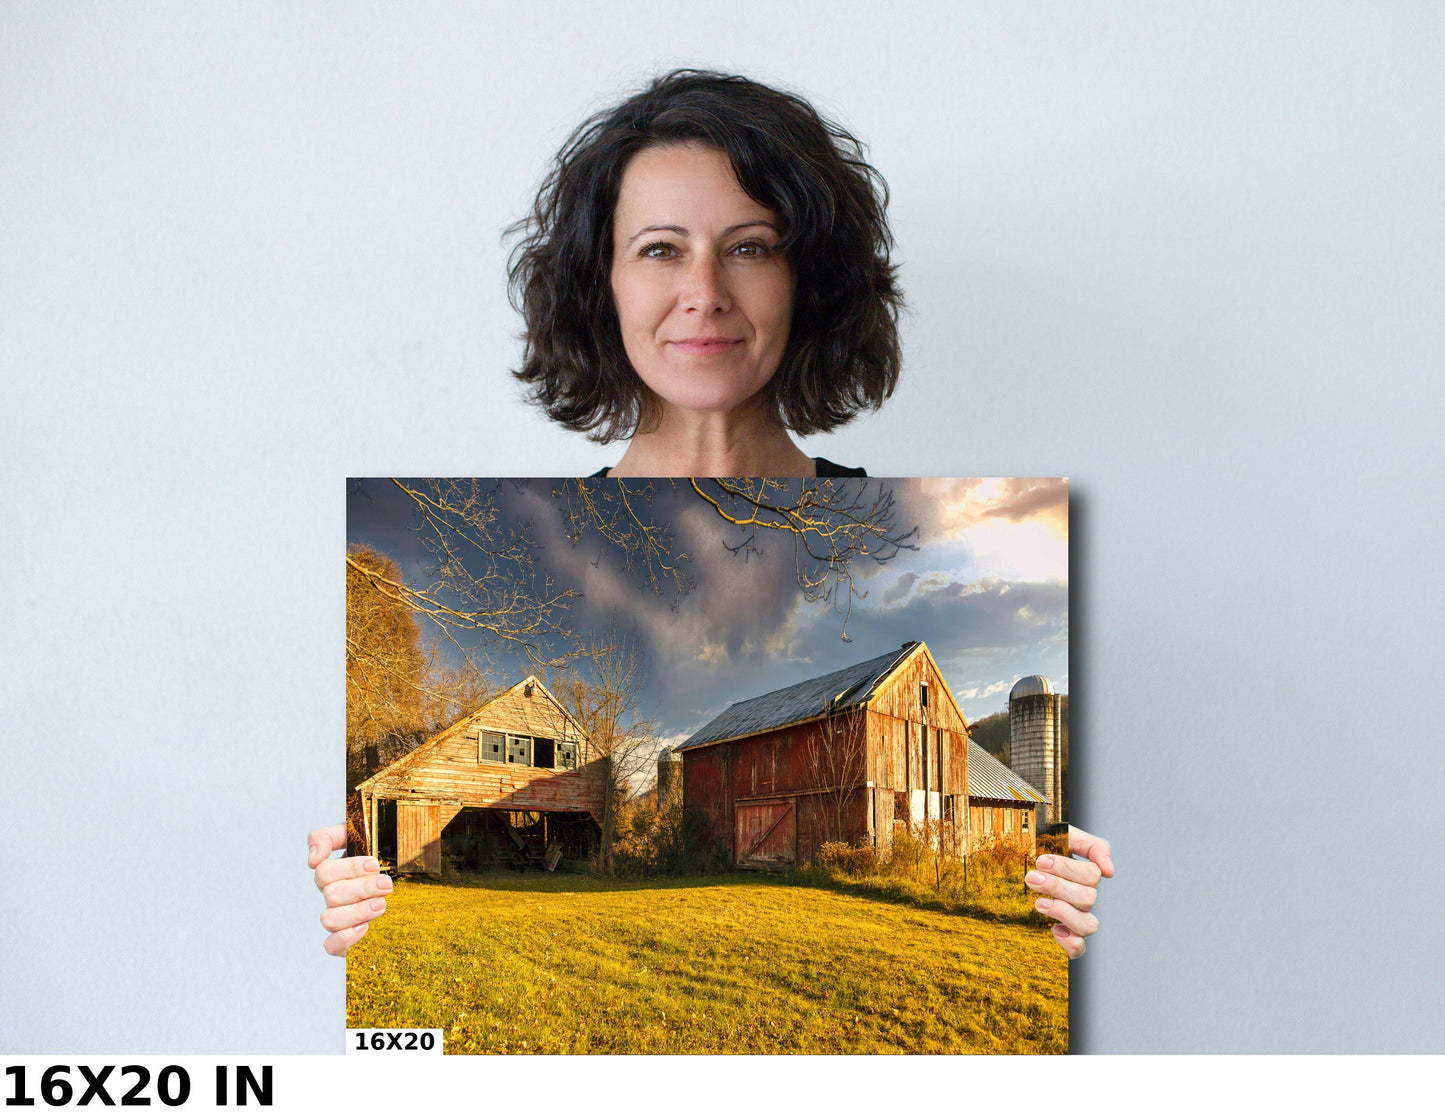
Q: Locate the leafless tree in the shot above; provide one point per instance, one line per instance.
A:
(836, 762)
(603, 691)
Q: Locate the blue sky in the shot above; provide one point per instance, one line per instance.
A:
(986, 590)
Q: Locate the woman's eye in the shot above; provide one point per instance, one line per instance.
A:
(751, 249)
(660, 250)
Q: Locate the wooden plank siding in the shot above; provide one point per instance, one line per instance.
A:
(419, 828)
(1000, 820)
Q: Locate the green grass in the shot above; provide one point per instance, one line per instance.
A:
(737, 963)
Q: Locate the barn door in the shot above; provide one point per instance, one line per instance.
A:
(419, 836)
(767, 833)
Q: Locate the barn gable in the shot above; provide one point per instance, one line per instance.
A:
(508, 730)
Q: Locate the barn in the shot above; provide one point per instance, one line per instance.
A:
(510, 785)
(1001, 805)
(840, 757)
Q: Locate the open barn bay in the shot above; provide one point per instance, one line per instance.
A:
(735, 963)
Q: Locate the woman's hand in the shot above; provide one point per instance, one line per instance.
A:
(354, 887)
(1069, 888)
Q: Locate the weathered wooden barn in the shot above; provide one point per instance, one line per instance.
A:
(1001, 804)
(841, 757)
(511, 784)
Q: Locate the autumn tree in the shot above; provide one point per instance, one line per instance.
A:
(399, 689)
(386, 669)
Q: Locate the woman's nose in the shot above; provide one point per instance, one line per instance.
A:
(705, 286)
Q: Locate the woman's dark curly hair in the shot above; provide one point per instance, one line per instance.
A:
(842, 353)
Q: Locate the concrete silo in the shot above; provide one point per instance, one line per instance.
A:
(669, 779)
(1036, 743)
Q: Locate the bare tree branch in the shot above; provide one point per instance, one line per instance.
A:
(488, 589)
(620, 514)
(832, 524)
(836, 762)
(605, 696)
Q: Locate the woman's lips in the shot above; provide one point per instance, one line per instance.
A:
(705, 346)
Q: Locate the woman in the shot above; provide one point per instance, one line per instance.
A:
(705, 273)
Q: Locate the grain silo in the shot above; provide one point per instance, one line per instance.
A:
(1036, 743)
(669, 779)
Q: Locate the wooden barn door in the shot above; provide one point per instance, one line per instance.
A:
(767, 833)
(419, 836)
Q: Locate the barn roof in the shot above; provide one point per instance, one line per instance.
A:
(833, 692)
(989, 778)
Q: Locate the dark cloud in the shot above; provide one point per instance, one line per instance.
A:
(898, 590)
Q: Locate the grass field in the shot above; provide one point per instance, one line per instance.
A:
(738, 963)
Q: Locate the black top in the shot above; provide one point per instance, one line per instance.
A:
(824, 466)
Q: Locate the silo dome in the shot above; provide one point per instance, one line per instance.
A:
(1030, 685)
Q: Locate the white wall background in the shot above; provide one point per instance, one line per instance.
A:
(1189, 256)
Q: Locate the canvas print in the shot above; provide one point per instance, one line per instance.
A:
(716, 765)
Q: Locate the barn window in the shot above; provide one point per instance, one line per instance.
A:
(543, 752)
(988, 820)
(567, 754)
(948, 808)
(490, 747)
(519, 750)
(1024, 821)
(923, 694)
(900, 806)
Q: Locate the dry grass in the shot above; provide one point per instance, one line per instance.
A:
(990, 886)
(735, 963)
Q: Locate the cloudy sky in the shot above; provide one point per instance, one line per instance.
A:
(986, 590)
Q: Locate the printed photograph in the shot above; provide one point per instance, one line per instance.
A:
(728, 765)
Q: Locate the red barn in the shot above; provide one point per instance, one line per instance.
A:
(841, 757)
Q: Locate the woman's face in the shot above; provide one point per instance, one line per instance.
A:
(702, 294)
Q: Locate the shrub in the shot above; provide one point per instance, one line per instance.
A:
(853, 861)
(651, 842)
(916, 871)
(1054, 843)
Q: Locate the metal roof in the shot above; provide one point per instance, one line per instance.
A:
(989, 778)
(838, 690)
(1030, 685)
